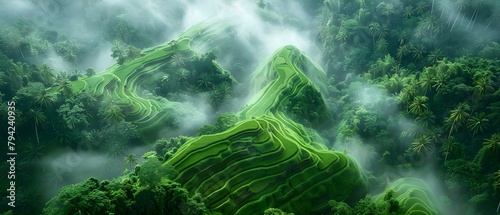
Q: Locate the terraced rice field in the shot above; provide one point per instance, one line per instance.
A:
(124, 83)
(261, 163)
(267, 160)
(414, 197)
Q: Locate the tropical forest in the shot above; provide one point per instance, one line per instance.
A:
(243, 107)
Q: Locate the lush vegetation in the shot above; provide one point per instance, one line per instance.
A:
(399, 115)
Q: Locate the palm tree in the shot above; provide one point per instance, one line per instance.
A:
(113, 114)
(440, 80)
(388, 9)
(71, 57)
(421, 144)
(483, 86)
(130, 160)
(402, 37)
(216, 98)
(477, 122)
(204, 80)
(495, 15)
(38, 117)
(418, 52)
(341, 36)
(403, 51)
(419, 106)
(435, 56)
(419, 32)
(114, 149)
(33, 153)
(444, 5)
(461, 5)
(426, 119)
(64, 87)
(432, 24)
(421, 6)
(457, 117)
(408, 12)
(375, 30)
(165, 78)
(47, 74)
(449, 145)
(432, 7)
(62, 135)
(477, 4)
(492, 143)
(381, 45)
(183, 76)
(45, 99)
(494, 110)
(426, 81)
(177, 60)
(395, 84)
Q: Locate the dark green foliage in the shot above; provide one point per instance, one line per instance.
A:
(168, 147)
(152, 171)
(197, 74)
(367, 206)
(340, 208)
(80, 198)
(123, 196)
(224, 121)
(123, 53)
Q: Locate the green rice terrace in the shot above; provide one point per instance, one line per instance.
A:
(248, 107)
(266, 160)
(123, 83)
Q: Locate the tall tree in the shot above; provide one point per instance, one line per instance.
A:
(426, 81)
(38, 117)
(130, 160)
(419, 105)
(408, 11)
(461, 6)
(440, 80)
(495, 15)
(426, 119)
(65, 88)
(47, 75)
(493, 143)
(458, 116)
(449, 146)
(421, 6)
(476, 4)
(477, 122)
(114, 114)
(375, 30)
(421, 144)
(33, 153)
(45, 98)
(435, 56)
(483, 86)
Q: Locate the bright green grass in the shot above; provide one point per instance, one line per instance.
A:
(268, 160)
(261, 163)
(123, 83)
(414, 197)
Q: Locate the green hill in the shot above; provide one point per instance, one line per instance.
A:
(267, 160)
(414, 197)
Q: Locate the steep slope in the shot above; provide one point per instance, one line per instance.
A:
(282, 85)
(414, 197)
(268, 160)
(125, 83)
